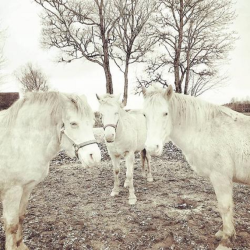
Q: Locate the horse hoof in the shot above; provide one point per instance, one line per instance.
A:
(143, 174)
(114, 193)
(126, 184)
(22, 246)
(221, 247)
(132, 201)
(150, 179)
(225, 243)
(219, 235)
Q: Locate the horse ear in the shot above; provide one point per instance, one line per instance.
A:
(169, 92)
(144, 91)
(98, 97)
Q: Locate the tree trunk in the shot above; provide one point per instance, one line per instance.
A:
(187, 73)
(178, 52)
(187, 81)
(106, 66)
(109, 82)
(125, 92)
(176, 76)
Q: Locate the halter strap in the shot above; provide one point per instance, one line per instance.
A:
(110, 125)
(76, 146)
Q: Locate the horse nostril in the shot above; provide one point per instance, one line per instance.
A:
(91, 156)
(157, 146)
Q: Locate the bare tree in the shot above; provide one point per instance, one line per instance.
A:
(1, 66)
(32, 79)
(2, 59)
(194, 36)
(204, 81)
(80, 29)
(133, 39)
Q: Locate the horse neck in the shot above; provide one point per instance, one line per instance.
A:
(122, 122)
(40, 129)
(188, 117)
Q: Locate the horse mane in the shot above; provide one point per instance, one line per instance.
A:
(53, 103)
(185, 108)
(135, 111)
(109, 99)
(188, 108)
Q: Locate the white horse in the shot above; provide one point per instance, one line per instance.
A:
(32, 131)
(214, 139)
(125, 133)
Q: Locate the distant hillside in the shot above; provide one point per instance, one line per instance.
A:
(242, 107)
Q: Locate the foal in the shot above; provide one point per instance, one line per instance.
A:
(125, 134)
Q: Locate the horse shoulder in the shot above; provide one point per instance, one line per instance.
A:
(140, 129)
(126, 137)
(207, 148)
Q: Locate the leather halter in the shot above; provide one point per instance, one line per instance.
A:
(110, 125)
(76, 146)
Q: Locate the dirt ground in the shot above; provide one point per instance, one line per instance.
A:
(73, 209)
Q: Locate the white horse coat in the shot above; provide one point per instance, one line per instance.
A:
(32, 131)
(125, 134)
(214, 139)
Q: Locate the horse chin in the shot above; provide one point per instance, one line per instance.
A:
(87, 164)
(156, 153)
(84, 165)
(110, 141)
(70, 153)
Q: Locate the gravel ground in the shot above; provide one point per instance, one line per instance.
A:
(73, 209)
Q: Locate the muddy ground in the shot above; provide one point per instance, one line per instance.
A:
(73, 209)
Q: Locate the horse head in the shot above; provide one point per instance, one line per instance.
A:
(156, 111)
(110, 108)
(76, 131)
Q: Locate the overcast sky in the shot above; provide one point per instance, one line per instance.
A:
(22, 45)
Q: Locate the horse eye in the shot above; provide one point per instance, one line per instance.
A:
(144, 115)
(165, 114)
(73, 124)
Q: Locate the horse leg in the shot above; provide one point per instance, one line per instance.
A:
(116, 169)
(143, 158)
(223, 187)
(129, 177)
(149, 175)
(22, 209)
(11, 202)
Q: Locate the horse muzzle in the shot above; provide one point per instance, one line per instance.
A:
(110, 136)
(90, 155)
(154, 149)
(110, 141)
